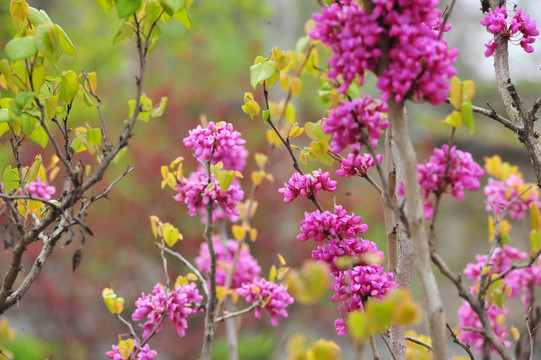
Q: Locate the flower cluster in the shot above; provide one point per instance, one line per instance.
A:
(419, 61)
(354, 46)
(144, 353)
(196, 192)
(350, 118)
(247, 268)
(353, 261)
(355, 164)
(500, 194)
(518, 281)
(269, 296)
(319, 226)
(220, 141)
(177, 303)
(38, 188)
(307, 185)
(467, 318)
(447, 172)
(519, 27)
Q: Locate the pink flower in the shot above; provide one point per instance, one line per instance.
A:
(349, 119)
(247, 268)
(38, 188)
(270, 296)
(319, 226)
(177, 304)
(307, 185)
(227, 144)
(519, 28)
(356, 164)
(499, 195)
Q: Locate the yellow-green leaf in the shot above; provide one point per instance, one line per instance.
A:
(454, 119)
(171, 234)
(19, 9)
(272, 273)
(467, 115)
(65, 41)
(239, 232)
(468, 90)
(456, 93)
(68, 87)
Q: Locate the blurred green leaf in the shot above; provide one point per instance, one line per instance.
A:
(261, 72)
(127, 8)
(20, 48)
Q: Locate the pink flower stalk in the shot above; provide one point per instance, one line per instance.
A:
(247, 268)
(195, 192)
(319, 226)
(518, 28)
(355, 164)
(436, 175)
(227, 144)
(419, 62)
(177, 303)
(499, 195)
(307, 185)
(38, 188)
(271, 297)
(467, 318)
(145, 353)
(350, 118)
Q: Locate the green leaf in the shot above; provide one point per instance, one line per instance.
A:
(4, 128)
(456, 93)
(467, 115)
(105, 5)
(535, 217)
(47, 38)
(35, 17)
(158, 111)
(28, 124)
(93, 136)
(127, 8)
(184, 17)
(302, 43)
(266, 115)
(262, 72)
(176, 5)
(78, 145)
(454, 119)
(39, 136)
(171, 234)
(38, 77)
(272, 273)
(4, 115)
(68, 87)
(20, 48)
(120, 155)
(11, 180)
(357, 324)
(290, 114)
(32, 173)
(67, 45)
(324, 91)
(535, 240)
(225, 178)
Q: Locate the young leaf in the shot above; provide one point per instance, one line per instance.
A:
(467, 115)
(19, 9)
(261, 72)
(456, 93)
(105, 5)
(239, 232)
(176, 5)
(4, 115)
(39, 136)
(68, 87)
(127, 8)
(47, 38)
(266, 115)
(272, 273)
(454, 119)
(65, 41)
(20, 48)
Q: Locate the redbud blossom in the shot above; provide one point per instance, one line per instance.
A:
(307, 185)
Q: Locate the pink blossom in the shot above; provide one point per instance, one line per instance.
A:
(177, 304)
(307, 185)
(144, 353)
(247, 268)
(38, 188)
(227, 144)
(355, 164)
(518, 28)
(319, 225)
(467, 318)
(196, 193)
(270, 296)
(499, 195)
(349, 119)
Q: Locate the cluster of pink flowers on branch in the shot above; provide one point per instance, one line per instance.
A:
(219, 141)
(38, 188)
(519, 281)
(196, 192)
(307, 185)
(350, 118)
(143, 353)
(447, 171)
(419, 61)
(356, 164)
(519, 27)
(247, 268)
(500, 194)
(175, 304)
(267, 295)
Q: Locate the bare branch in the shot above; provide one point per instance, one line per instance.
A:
(237, 313)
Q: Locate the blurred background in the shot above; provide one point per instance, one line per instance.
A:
(205, 70)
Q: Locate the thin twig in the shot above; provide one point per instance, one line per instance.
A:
(388, 346)
(418, 342)
(375, 355)
(237, 313)
(189, 265)
(456, 340)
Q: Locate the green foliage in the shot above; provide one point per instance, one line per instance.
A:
(253, 347)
